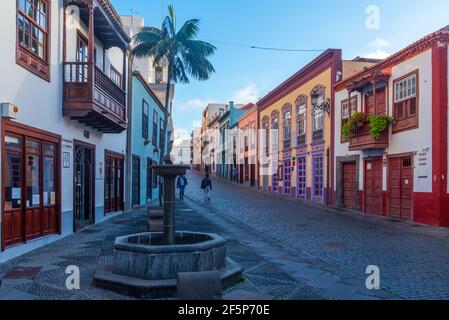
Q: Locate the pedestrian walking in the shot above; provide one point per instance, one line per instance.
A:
(206, 186)
(181, 185)
(235, 173)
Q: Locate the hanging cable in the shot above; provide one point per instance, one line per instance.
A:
(264, 48)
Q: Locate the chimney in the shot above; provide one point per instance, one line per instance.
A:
(231, 104)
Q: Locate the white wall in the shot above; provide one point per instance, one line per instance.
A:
(40, 106)
(416, 140)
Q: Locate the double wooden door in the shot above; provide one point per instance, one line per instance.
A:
(373, 186)
(400, 185)
(349, 185)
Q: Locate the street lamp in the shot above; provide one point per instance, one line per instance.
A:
(324, 106)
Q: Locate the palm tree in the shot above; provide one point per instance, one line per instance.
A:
(180, 51)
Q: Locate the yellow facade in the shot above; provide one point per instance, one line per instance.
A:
(323, 79)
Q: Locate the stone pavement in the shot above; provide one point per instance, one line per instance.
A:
(337, 245)
(289, 250)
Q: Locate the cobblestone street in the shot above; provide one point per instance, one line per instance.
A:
(289, 250)
(413, 259)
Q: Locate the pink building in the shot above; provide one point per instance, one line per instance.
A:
(247, 155)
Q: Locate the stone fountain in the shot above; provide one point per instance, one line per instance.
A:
(146, 265)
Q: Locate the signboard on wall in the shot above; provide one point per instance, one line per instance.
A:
(99, 168)
(67, 151)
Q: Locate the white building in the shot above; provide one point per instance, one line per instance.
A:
(64, 119)
(155, 75)
(402, 173)
(181, 152)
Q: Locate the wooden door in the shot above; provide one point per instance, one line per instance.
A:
(373, 186)
(400, 184)
(287, 174)
(301, 178)
(349, 185)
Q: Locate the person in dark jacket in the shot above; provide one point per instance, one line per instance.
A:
(181, 184)
(206, 186)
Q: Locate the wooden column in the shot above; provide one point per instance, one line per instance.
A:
(125, 55)
(91, 44)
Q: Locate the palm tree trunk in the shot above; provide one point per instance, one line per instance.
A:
(167, 105)
(169, 224)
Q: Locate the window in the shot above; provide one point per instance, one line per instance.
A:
(348, 107)
(13, 174)
(145, 119)
(245, 136)
(155, 128)
(286, 125)
(82, 55)
(161, 134)
(32, 26)
(266, 132)
(405, 110)
(49, 181)
(275, 131)
(158, 75)
(30, 189)
(301, 110)
(116, 77)
(318, 115)
(33, 36)
(252, 136)
(318, 119)
(32, 172)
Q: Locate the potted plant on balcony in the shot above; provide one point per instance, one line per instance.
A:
(346, 130)
(378, 124)
(357, 119)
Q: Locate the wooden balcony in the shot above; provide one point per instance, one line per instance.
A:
(91, 98)
(362, 140)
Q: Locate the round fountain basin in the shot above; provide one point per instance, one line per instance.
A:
(145, 255)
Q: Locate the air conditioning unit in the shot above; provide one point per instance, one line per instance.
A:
(9, 111)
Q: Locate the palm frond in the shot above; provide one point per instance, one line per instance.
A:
(199, 47)
(189, 30)
(179, 72)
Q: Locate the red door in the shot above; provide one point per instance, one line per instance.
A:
(400, 182)
(349, 185)
(373, 186)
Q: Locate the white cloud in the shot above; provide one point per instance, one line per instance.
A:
(379, 43)
(193, 104)
(377, 54)
(246, 95)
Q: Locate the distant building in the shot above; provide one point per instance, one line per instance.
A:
(296, 152)
(181, 151)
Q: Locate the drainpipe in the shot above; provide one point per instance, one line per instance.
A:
(328, 176)
(129, 136)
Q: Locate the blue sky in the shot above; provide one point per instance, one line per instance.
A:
(244, 74)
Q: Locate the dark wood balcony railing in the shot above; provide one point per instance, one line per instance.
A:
(361, 139)
(91, 97)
